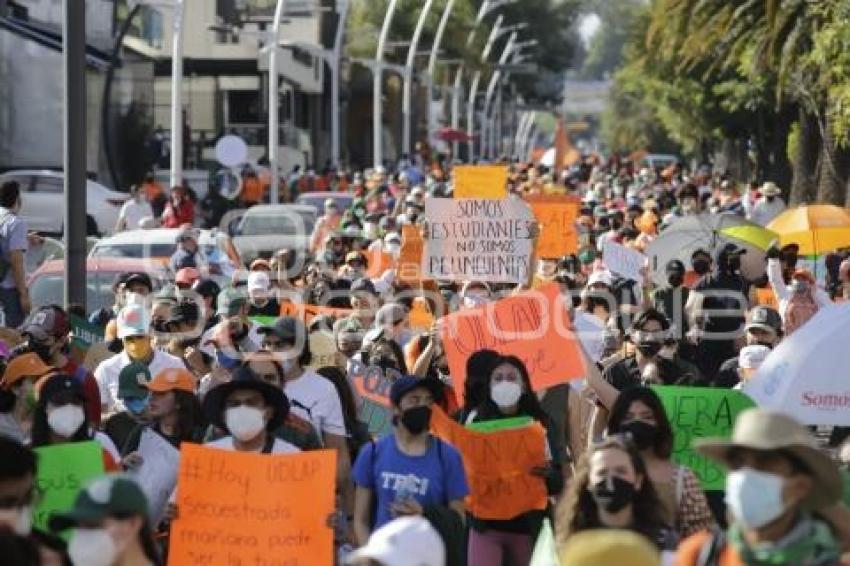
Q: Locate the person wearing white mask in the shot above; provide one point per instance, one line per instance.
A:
(392, 244)
(60, 417)
(511, 396)
(109, 525)
(250, 410)
(777, 479)
(475, 294)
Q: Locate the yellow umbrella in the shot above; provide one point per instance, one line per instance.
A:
(817, 229)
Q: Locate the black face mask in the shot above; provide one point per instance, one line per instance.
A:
(642, 433)
(40, 349)
(613, 494)
(416, 419)
(734, 263)
(649, 349)
(676, 279)
(701, 266)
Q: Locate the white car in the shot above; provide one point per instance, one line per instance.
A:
(43, 197)
(159, 243)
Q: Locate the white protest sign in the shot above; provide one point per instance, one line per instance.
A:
(157, 474)
(623, 261)
(478, 240)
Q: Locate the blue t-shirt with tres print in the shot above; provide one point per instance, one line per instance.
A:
(434, 478)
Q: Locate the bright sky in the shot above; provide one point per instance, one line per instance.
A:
(588, 26)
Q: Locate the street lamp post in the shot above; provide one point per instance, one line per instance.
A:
(274, 118)
(491, 87)
(407, 87)
(432, 58)
(377, 101)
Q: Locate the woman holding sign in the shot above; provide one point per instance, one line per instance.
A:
(638, 413)
(510, 395)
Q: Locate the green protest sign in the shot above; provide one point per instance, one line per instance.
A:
(64, 469)
(85, 334)
(700, 412)
(500, 424)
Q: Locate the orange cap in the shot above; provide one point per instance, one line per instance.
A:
(26, 365)
(172, 379)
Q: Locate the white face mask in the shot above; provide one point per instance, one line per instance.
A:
(506, 393)
(244, 423)
(370, 230)
(754, 497)
(393, 248)
(18, 519)
(66, 420)
(92, 547)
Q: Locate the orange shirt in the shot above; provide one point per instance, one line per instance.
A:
(252, 190)
(689, 550)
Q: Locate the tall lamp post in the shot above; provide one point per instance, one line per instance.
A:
(274, 95)
(407, 94)
(512, 48)
(377, 102)
(432, 58)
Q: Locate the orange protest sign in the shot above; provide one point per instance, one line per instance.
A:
(557, 217)
(767, 298)
(378, 263)
(246, 508)
(534, 326)
(410, 257)
(498, 467)
(308, 312)
(480, 181)
(420, 318)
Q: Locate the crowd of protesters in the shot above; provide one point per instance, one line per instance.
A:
(193, 363)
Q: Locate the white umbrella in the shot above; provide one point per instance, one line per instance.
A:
(808, 376)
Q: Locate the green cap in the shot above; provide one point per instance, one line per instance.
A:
(113, 495)
(230, 302)
(133, 380)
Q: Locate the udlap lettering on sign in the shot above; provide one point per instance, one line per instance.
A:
(480, 181)
(533, 326)
(246, 508)
(478, 240)
(701, 412)
(498, 466)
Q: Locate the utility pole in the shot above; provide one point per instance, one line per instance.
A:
(378, 87)
(407, 95)
(74, 149)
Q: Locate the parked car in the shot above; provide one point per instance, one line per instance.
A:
(317, 200)
(46, 284)
(266, 228)
(159, 243)
(43, 197)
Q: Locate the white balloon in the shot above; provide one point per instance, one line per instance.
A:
(231, 151)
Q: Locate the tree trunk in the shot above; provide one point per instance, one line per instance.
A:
(777, 165)
(805, 165)
(833, 166)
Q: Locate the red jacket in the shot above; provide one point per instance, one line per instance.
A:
(184, 213)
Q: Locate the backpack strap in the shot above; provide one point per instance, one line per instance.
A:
(709, 553)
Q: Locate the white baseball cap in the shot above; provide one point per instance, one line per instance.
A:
(258, 281)
(133, 320)
(406, 541)
(600, 276)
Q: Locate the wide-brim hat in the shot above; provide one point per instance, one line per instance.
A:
(245, 378)
(760, 429)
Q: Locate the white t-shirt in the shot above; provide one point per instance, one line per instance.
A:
(314, 398)
(133, 212)
(108, 370)
(279, 446)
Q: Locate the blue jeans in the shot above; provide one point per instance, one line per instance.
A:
(11, 302)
